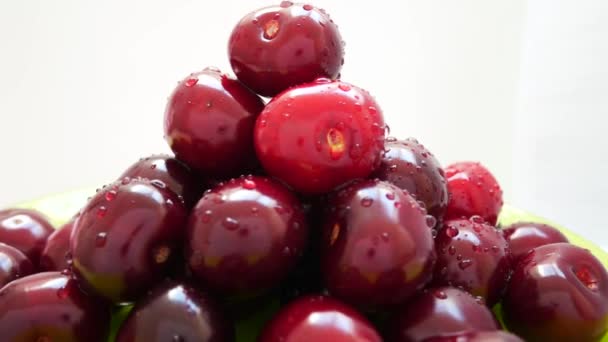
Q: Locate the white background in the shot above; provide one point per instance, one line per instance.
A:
(520, 85)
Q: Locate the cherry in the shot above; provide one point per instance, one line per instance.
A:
(13, 264)
(474, 256)
(125, 238)
(176, 175)
(55, 253)
(318, 136)
(473, 190)
(377, 247)
(318, 318)
(26, 230)
(245, 235)
(50, 307)
(440, 311)
(559, 292)
(410, 166)
(209, 123)
(277, 47)
(525, 236)
(477, 336)
(176, 312)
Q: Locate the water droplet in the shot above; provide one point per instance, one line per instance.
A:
(372, 110)
(390, 196)
(158, 183)
(178, 338)
(263, 123)
(397, 205)
(495, 249)
(367, 202)
(206, 217)
(431, 221)
(230, 223)
(286, 251)
(476, 249)
(191, 82)
(212, 69)
(392, 168)
(271, 28)
(459, 257)
(355, 151)
(100, 239)
(249, 184)
(452, 250)
(319, 145)
(110, 195)
(255, 21)
(344, 87)
(434, 233)
(101, 212)
(307, 7)
(254, 210)
(125, 181)
(587, 278)
(62, 293)
(477, 219)
(323, 80)
(464, 264)
(385, 236)
(286, 4)
(451, 231)
(440, 294)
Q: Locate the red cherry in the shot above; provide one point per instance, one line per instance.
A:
(525, 236)
(558, 292)
(377, 247)
(209, 123)
(319, 318)
(473, 190)
(320, 135)
(477, 336)
(26, 230)
(55, 253)
(13, 264)
(277, 47)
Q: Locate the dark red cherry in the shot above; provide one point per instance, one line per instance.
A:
(525, 236)
(49, 307)
(26, 230)
(377, 247)
(477, 336)
(474, 256)
(176, 312)
(245, 235)
(209, 123)
(125, 238)
(320, 135)
(277, 47)
(559, 292)
(319, 318)
(55, 253)
(473, 190)
(13, 264)
(440, 311)
(410, 166)
(176, 175)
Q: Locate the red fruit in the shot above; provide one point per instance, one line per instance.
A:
(176, 175)
(473, 190)
(50, 307)
(278, 47)
(477, 336)
(410, 166)
(559, 292)
(474, 256)
(125, 238)
(320, 135)
(525, 236)
(209, 123)
(319, 318)
(26, 230)
(13, 264)
(440, 311)
(244, 236)
(55, 253)
(377, 247)
(176, 312)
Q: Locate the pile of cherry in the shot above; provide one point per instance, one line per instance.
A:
(301, 201)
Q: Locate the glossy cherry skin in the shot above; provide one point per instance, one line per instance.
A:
(56, 251)
(377, 248)
(26, 230)
(125, 238)
(473, 190)
(320, 135)
(13, 264)
(176, 312)
(559, 292)
(209, 123)
(410, 166)
(474, 256)
(525, 236)
(278, 47)
(440, 311)
(244, 236)
(319, 318)
(477, 336)
(176, 175)
(50, 307)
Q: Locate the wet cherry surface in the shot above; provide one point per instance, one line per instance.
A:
(13, 264)
(377, 247)
(320, 135)
(125, 238)
(319, 318)
(244, 236)
(26, 230)
(525, 236)
(477, 336)
(559, 292)
(410, 166)
(55, 253)
(50, 307)
(474, 256)
(176, 312)
(440, 311)
(209, 123)
(278, 47)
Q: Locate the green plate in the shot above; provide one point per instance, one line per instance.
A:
(60, 209)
